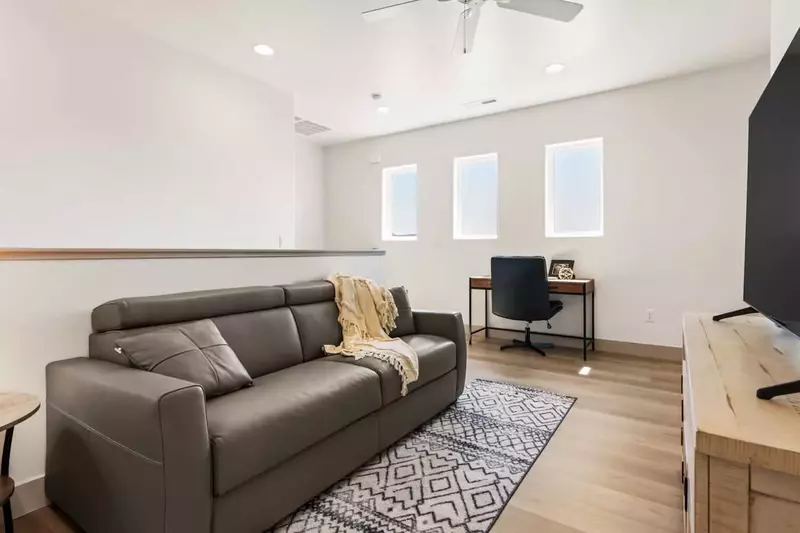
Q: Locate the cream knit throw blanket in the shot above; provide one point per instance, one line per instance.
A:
(366, 313)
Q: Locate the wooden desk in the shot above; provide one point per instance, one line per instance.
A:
(15, 408)
(574, 287)
(741, 454)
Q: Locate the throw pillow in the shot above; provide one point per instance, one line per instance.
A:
(404, 323)
(194, 352)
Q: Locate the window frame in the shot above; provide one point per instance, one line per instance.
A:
(549, 199)
(386, 204)
(457, 235)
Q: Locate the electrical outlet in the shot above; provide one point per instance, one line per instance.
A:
(650, 315)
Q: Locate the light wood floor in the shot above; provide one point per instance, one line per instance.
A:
(614, 465)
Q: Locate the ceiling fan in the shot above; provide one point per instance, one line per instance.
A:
(561, 10)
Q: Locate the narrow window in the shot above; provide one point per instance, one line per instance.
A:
(400, 203)
(475, 197)
(574, 189)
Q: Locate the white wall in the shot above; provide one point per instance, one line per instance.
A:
(675, 175)
(309, 195)
(785, 24)
(46, 306)
(111, 139)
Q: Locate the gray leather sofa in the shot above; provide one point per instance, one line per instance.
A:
(129, 451)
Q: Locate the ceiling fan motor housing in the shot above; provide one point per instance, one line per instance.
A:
(560, 10)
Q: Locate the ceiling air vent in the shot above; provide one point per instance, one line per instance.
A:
(307, 128)
(478, 103)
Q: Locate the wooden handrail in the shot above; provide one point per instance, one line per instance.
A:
(91, 254)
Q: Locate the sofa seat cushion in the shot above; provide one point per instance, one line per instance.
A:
(255, 429)
(437, 357)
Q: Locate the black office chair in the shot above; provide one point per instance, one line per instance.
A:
(520, 291)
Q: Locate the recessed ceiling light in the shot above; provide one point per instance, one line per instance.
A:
(263, 50)
(383, 109)
(555, 68)
(585, 371)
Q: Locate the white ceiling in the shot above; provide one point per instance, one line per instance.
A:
(331, 59)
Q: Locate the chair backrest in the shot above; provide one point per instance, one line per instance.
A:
(520, 288)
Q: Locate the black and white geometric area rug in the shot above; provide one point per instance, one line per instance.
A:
(454, 474)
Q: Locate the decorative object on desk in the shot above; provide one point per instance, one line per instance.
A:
(557, 264)
(566, 273)
(480, 448)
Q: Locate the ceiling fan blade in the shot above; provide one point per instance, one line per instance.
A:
(552, 9)
(467, 29)
(386, 12)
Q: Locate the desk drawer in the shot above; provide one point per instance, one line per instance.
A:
(480, 283)
(565, 287)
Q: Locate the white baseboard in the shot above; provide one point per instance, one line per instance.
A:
(29, 497)
(650, 351)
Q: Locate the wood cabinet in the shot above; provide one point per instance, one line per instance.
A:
(741, 454)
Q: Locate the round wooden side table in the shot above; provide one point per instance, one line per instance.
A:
(15, 407)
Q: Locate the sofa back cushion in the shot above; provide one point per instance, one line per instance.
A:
(145, 311)
(314, 308)
(265, 341)
(254, 321)
(404, 323)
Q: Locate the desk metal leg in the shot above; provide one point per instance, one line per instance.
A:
(486, 313)
(593, 341)
(470, 313)
(584, 324)
(8, 521)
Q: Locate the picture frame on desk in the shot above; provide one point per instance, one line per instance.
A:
(557, 264)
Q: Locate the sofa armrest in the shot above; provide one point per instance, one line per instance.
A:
(450, 326)
(127, 450)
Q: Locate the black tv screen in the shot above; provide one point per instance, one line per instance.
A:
(772, 249)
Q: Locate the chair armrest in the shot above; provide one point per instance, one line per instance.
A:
(450, 326)
(127, 450)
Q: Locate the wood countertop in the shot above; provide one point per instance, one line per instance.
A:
(727, 362)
